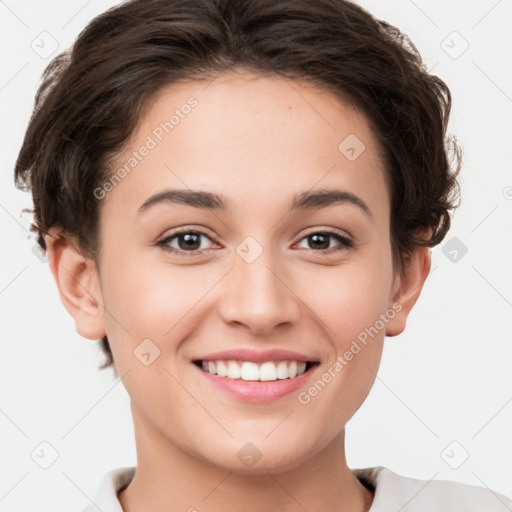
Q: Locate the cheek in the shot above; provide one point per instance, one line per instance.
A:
(152, 301)
(349, 306)
(352, 303)
(350, 299)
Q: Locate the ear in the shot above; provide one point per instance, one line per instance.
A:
(78, 282)
(407, 288)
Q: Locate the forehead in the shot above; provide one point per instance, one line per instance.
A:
(246, 137)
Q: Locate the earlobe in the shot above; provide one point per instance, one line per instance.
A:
(78, 283)
(407, 288)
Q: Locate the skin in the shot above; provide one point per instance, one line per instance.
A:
(258, 141)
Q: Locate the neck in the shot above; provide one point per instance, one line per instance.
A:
(168, 478)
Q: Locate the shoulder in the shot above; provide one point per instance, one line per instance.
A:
(397, 492)
(105, 498)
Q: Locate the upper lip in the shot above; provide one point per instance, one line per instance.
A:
(256, 356)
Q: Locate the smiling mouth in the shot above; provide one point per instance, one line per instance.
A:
(251, 371)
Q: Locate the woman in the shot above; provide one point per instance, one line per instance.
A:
(185, 159)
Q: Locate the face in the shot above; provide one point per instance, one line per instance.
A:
(284, 260)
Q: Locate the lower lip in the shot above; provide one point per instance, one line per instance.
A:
(255, 390)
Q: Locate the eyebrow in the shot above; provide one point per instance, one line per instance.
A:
(210, 201)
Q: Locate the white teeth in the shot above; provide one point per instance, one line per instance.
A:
(222, 369)
(233, 370)
(250, 371)
(268, 371)
(282, 370)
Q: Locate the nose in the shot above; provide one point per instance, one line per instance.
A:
(258, 295)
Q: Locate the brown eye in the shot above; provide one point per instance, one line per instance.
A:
(321, 241)
(185, 241)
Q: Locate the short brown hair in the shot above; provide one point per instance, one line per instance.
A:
(92, 97)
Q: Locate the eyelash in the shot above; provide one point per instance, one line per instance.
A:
(346, 243)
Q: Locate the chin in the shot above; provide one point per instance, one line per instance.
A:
(259, 458)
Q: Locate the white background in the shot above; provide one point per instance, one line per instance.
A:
(447, 378)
